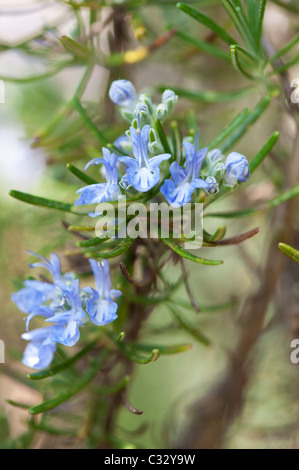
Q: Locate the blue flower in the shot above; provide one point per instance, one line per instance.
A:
(237, 168)
(143, 173)
(66, 324)
(33, 297)
(178, 191)
(101, 192)
(37, 354)
(123, 93)
(62, 304)
(101, 306)
(53, 265)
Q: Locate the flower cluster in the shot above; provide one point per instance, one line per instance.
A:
(141, 154)
(64, 307)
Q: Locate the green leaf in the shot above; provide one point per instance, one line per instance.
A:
(208, 96)
(80, 51)
(176, 138)
(166, 350)
(259, 157)
(93, 241)
(289, 251)
(240, 22)
(42, 374)
(237, 64)
(291, 6)
(17, 404)
(41, 201)
(121, 248)
(204, 46)
(205, 308)
(41, 76)
(218, 235)
(111, 389)
(173, 245)
(251, 6)
(81, 228)
(284, 49)
(88, 122)
(229, 129)
(82, 176)
(247, 122)
(162, 136)
(147, 300)
(42, 427)
(206, 21)
(117, 150)
(133, 356)
(286, 66)
(194, 332)
(76, 387)
(284, 197)
(262, 7)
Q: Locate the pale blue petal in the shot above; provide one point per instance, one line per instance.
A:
(53, 265)
(177, 195)
(155, 162)
(114, 294)
(94, 161)
(38, 335)
(38, 355)
(143, 179)
(101, 311)
(139, 143)
(178, 174)
(92, 194)
(43, 310)
(130, 162)
(66, 334)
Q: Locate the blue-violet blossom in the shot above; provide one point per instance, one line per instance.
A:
(101, 306)
(101, 192)
(66, 324)
(37, 354)
(143, 173)
(178, 191)
(61, 304)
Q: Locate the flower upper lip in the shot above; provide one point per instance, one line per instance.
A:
(143, 172)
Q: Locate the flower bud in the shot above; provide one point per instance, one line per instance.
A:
(127, 114)
(213, 187)
(219, 171)
(123, 93)
(169, 96)
(214, 156)
(169, 99)
(237, 168)
(155, 147)
(162, 112)
(123, 143)
(142, 112)
(124, 184)
(146, 99)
